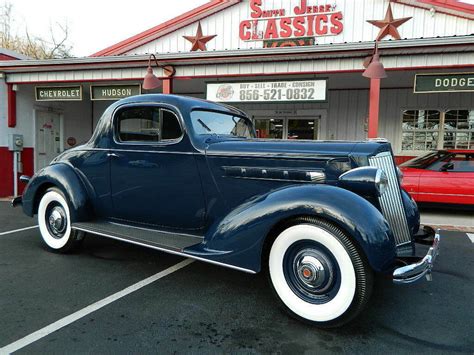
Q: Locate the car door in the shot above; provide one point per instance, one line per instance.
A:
(450, 180)
(154, 176)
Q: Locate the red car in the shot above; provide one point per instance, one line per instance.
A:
(443, 176)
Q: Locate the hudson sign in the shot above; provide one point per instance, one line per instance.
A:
(298, 26)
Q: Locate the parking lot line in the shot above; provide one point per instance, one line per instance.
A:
(18, 230)
(31, 338)
(470, 236)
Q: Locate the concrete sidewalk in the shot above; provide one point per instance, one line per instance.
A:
(448, 219)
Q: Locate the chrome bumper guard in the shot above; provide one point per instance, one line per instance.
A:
(17, 201)
(414, 272)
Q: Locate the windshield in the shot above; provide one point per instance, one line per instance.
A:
(424, 161)
(222, 124)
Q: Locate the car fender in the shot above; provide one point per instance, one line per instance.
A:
(69, 180)
(238, 239)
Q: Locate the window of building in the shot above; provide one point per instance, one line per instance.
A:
(147, 124)
(459, 129)
(424, 130)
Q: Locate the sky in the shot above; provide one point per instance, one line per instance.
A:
(95, 25)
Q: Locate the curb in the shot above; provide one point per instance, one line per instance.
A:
(452, 228)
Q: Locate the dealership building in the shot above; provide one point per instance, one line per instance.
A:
(296, 67)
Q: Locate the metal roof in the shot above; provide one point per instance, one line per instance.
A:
(13, 54)
(360, 49)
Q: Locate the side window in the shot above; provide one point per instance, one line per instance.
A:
(460, 163)
(147, 124)
(171, 128)
(463, 163)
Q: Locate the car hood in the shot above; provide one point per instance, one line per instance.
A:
(279, 148)
(308, 149)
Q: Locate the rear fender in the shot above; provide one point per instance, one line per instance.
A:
(66, 178)
(239, 238)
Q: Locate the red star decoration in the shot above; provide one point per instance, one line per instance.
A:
(199, 41)
(388, 26)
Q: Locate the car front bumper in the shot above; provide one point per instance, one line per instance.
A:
(416, 271)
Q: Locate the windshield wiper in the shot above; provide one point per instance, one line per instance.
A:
(204, 125)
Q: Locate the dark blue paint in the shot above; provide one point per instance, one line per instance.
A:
(361, 181)
(64, 177)
(238, 238)
(182, 186)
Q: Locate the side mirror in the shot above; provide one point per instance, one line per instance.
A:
(447, 166)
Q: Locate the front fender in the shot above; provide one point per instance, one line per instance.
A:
(239, 238)
(69, 181)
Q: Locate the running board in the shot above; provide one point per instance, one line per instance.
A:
(104, 229)
(149, 237)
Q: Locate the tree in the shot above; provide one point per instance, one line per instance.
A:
(55, 46)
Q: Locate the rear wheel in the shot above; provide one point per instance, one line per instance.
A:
(54, 221)
(318, 274)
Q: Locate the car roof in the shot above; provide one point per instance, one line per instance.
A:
(181, 101)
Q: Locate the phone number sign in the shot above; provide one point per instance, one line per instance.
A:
(307, 90)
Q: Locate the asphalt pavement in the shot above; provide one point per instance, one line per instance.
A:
(202, 308)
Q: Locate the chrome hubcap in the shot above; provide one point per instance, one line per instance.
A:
(313, 271)
(57, 221)
(310, 271)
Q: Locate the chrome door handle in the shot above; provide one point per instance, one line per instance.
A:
(113, 155)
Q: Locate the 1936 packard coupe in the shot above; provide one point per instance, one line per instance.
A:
(188, 177)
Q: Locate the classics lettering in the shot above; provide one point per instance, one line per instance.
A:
(307, 21)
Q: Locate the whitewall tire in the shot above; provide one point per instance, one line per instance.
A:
(318, 274)
(54, 221)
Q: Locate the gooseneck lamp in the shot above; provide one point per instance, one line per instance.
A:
(150, 81)
(375, 69)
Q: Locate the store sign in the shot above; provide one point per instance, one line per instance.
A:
(291, 42)
(58, 93)
(308, 90)
(114, 92)
(302, 21)
(426, 83)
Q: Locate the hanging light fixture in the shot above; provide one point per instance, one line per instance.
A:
(150, 81)
(374, 68)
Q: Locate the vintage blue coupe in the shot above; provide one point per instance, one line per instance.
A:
(188, 177)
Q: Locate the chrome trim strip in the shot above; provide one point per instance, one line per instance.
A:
(166, 250)
(273, 155)
(139, 151)
(391, 201)
(414, 272)
(270, 179)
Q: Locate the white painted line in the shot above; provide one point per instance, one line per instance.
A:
(27, 340)
(18, 230)
(470, 236)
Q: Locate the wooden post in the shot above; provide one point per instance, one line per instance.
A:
(167, 86)
(374, 103)
(11, 102)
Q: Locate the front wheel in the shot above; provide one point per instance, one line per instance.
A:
(318, 274)
(54, 221)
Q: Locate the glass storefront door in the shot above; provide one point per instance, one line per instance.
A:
(302, 128)
(269, 128)
(288, 128)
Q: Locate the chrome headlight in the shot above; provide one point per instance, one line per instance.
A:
(400, 175)
(381, 181)
(366, 180)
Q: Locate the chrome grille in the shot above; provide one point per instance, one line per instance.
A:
(391, 201)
